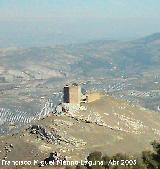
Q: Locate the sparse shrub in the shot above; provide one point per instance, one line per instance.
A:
(147, 160)
(81, 166)
(106, 160)
(152, 159)
(94, 158)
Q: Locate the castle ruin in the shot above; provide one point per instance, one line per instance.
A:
(72, 94)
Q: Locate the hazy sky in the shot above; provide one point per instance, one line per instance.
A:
(79, 8)
(79, 19)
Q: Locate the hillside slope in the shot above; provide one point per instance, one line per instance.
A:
(103, 58)
(108, 125)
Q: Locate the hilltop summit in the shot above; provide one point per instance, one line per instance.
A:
(109, 125)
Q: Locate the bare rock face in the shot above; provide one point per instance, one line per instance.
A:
(51, 137)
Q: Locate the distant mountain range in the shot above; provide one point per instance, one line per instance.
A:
(150, 38)
(95, 58)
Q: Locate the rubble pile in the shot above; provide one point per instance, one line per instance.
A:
(50, 137)
(7, 149)
(53, 137)
(157, 132)
(132, 124)
(95, 117)
(76, 142)
(67, 108)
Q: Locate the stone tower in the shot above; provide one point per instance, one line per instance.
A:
(72, 94)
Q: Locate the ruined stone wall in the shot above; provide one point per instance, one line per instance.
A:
(91, 97)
